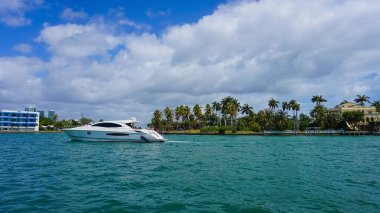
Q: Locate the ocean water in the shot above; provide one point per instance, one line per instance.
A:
(45, 172)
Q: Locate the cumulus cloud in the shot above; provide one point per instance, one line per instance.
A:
(251, 50)
(77, 41)
(19, 81)
(69, 14)
(117, 21)
(12, 12)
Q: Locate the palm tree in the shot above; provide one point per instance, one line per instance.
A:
(273, 104)
(376, 104)
(232, 109)
(246, 109)
(197, 110)
(361, 99)
(236, 109)
(318, 99)
(169, 117)
(209, 114)
(296, 107)
(284, 105)
(216, 106)
(156, 120)
(178, 113)
(186, 113)
(230, 106)
(292, 104)
(224, 110)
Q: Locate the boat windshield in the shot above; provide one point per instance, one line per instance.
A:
(132, 125)
(106, 124)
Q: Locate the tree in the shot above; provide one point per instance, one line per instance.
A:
(247, 110)
(197, 110)
(186, 113)
(296, 107)
(178, 113)
(230, 106)
(55, 118)
(352, 118)
(169, 117)
(318, 99)
(376, 104)
(45, 122)
(280, 120)
(285, 106)
(224, 110)
(217, 107)
(361, 99)
(304, 122)
(264, 119)
(273, 104)
(156, 120)
(232, 109)
(333, 120)
(291, 105)
(209, 114)
(318, 116)
(85, 121)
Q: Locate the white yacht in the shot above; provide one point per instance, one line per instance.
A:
(122, 131)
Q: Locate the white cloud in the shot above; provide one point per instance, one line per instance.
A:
(77, 41)
(69, 14)
(19, 81)
(287, 49)
(23, 48)
(12, 12)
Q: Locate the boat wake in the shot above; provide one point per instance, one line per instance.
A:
(169, 141)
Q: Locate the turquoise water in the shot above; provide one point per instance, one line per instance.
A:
(48, 173)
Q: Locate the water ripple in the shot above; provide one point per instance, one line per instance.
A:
(46, 172)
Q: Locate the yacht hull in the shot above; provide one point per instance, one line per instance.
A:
(114, 136)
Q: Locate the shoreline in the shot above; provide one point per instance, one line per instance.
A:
(19, 132)
(229, 133)
(248, 133)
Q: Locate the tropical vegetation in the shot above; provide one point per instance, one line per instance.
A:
(56, 124)
(229, 114)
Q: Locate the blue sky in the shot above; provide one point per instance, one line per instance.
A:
(155, 14)
(118, 59)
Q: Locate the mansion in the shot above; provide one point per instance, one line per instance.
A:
(370, 113)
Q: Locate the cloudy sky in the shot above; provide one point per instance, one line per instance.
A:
(117, 59)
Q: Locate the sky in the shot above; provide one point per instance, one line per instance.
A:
(120, 59)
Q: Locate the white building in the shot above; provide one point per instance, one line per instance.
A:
(21, 121)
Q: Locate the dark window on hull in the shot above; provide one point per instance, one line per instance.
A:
(107, 125)
(117, 134)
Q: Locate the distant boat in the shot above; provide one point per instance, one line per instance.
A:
(117, 131)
